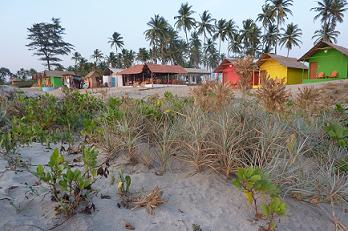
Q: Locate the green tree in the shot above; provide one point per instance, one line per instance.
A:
(206, 25)
(290, 37)
(212, 57)
(24, 74)
(251, 35)
(231, 29)
(97, 56)
(326, 33)
(116, 41)
(185, 20)
(270, 38)
(282, 10)
(329, 12)
(46, 39)
(4, 72)
(143, 55)
(195, 50)
(76, 58)
(235, 46)
(111, 60)
(220, 32)
(156, 34)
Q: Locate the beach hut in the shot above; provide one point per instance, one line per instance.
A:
(230, 75)
(327, 61)
(281, 67)
(52, 79)
(94, 79)
(111, 78)
(152, 74)
(196, 75)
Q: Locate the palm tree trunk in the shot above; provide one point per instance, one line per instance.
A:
(186, 36)
(288, 52)
(276, 45)
(219, 46)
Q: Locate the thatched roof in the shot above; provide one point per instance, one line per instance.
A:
(93, 74)
(285, 61)
(154, 68)
(228, 62)
(320, 45)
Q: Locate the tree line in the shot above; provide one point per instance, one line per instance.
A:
(202, 42)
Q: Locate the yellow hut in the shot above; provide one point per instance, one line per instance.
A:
(281, 67)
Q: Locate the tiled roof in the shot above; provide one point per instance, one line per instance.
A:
(59, 73)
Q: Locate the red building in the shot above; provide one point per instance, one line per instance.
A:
(230, 76)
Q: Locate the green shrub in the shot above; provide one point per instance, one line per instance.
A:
(276, 207)
(69, 187)
(124, 183)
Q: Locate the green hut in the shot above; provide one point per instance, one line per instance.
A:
(327, 61)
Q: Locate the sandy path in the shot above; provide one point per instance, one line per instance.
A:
(204, 199)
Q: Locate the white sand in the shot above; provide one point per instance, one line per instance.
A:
(205, 199)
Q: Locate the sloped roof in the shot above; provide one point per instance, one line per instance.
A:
(197, 71)
(59, 73)
(93, 74)
(323, 44)
(154, 68)
(285, 61)
(223, 64)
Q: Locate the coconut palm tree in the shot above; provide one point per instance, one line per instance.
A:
(76, 58)
(267, 16)
(206, 25)
(282, 10)
(116, 41)
(290, 37)
(326, 33)
(270, 38)
(212, 55)
(97, 56)
(329, 12)
(157, 34)
(195, 50)
(185, 20)
(220, 32)
(111, 60)
(143, 55)
(235, 45)
(251, 35)
(230, 30)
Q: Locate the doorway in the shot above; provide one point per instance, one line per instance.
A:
(313, 70)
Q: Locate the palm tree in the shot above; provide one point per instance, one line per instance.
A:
(251, 35)
(235, 45)
(212, 55)
(97, 56)
(116, 41)
(330, 12)
(230, 30)
(206, 25)
(195, 50)
(290, 37)
(269, 38)
(76, 58)
(267, 16)
(220, 32)
(111, 60)
(185, 20)
(282, 10)
(326, 33)
(156, 34)
(143, 55)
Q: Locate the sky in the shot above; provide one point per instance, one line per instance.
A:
(89, 23)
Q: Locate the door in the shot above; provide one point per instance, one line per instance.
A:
(113, 81)
(313, 70)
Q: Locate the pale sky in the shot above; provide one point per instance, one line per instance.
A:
(89, 23)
